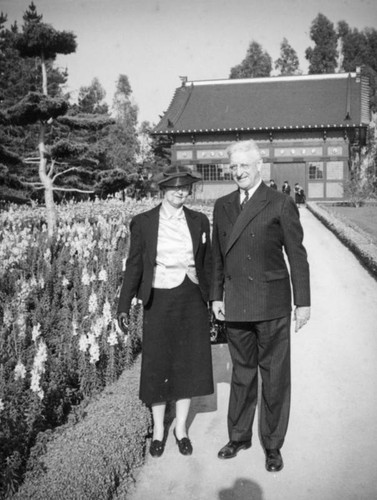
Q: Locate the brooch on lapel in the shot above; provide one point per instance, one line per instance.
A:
(204, 238)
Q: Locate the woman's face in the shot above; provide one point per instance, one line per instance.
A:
(176, 196)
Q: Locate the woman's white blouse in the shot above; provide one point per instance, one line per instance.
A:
(175, 256)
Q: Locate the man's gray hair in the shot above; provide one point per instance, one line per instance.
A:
(249, 146)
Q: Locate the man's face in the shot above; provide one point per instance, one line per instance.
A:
(245, 168)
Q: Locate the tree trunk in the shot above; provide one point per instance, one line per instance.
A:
(45, 178)
(47, 183)
(44, 74)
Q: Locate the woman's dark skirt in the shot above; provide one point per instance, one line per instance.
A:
(176, 349)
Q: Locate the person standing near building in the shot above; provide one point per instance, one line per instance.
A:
(168, 268)
(273, 184)
(299, 195)
(251, 292)
(286, 188)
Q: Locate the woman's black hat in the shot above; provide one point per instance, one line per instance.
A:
(177, 176)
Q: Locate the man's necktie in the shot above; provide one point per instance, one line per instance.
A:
(246, 199)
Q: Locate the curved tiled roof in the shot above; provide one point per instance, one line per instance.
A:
(266, 104)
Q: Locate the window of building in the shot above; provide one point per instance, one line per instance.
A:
(334, 170)
(214, 172)
(316, 170)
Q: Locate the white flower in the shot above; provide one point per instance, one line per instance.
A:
(65, 282)
(106, 313)
(38, 369)
(41, 357)
(74, 328)
(47, 255)
(83, 343)
(85, 279)
(102, 276)
(36, 331)
(34, 384)
(93, 303)
(21, 323)
(2, 406)
(33, 281)
(8, 319)
(94, 352)
(19, 371)
(112, 339)
(97, 327)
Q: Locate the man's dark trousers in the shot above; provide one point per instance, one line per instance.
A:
(266, 343)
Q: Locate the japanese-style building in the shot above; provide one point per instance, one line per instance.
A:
(309, 128)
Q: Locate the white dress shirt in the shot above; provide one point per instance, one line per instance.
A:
(175, 256)
(251, 191)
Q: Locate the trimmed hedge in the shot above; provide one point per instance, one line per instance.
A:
(355, 239)
(97, 457)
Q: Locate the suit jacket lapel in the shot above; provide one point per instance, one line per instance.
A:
(232, 207)
(152, 233)
(194, 228)
(257, 202)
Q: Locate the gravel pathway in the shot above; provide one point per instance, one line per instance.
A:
(329, 451)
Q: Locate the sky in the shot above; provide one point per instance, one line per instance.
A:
(154, 42)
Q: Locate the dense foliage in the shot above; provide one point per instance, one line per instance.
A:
(287, 64)
(97, 455)
(59, 343)
(257, 63)
(323, 57)
(84, 149)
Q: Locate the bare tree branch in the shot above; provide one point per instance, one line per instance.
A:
(35, 184)
(51, 169)
(72, 189)
(65, 171)
(32, 160)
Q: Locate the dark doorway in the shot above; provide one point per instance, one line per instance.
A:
(291, 172)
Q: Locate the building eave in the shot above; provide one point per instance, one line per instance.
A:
(260, 129)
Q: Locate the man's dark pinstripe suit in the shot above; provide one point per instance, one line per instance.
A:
(251, 275)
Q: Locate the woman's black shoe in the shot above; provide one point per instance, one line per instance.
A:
(157, 448)
(184, 445)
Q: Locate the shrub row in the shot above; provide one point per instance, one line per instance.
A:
(97, 457)
(354, 239)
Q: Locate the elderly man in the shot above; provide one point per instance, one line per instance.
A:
(251, 291)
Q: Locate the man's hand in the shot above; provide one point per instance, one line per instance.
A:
(218, 310)
(122, 319)
(302, 315)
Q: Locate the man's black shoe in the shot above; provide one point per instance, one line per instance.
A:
(274, 460)
(231, 449)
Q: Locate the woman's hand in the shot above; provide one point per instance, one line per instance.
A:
(122, 319)
(218, 310)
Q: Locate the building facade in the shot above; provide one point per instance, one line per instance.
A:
(309, 129)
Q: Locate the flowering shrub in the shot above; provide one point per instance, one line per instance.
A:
(59, 341)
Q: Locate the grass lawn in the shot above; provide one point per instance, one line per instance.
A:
(364, 218)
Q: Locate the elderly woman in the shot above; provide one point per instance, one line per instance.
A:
(168, 268)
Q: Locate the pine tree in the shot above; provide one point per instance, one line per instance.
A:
(257, 63)
(323, 57)
(121, 143)
(359, 49)
(90, 99)
(41, 41)
(288, 63)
